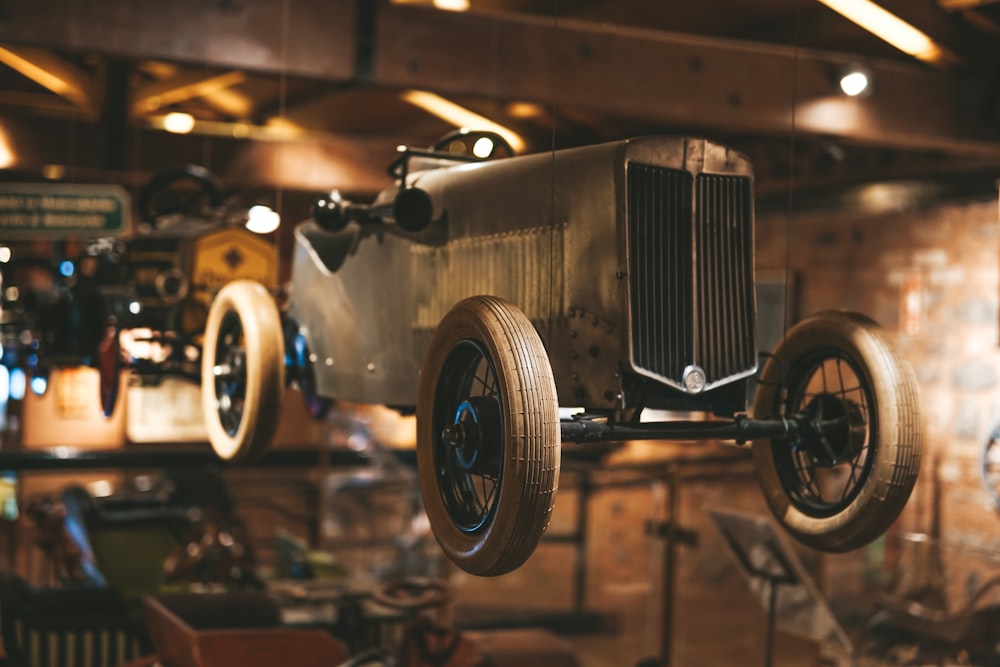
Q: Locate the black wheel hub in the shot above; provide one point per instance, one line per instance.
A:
(469, 436)
(473, 436)
(230, 370)
(834, 430)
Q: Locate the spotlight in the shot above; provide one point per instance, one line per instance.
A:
(178, 122)
(262, 219)
(855, 81)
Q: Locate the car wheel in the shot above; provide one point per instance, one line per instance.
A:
(841, 484)
(109, 365)
(487, 436)
(301, 371)
(242, 371)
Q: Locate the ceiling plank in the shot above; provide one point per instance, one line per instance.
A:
(58, 75)
(189, 85)
(306, 37)
(679, 81)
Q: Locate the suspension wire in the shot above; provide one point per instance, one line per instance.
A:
(553, 223)
(791, 172)
(283, 87)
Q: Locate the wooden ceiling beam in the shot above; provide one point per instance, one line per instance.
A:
(663, 80)
(212, 86)
(307, 37)
(679, 81)
(65, 79)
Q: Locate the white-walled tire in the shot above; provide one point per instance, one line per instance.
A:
(242, 372)
(488, 436)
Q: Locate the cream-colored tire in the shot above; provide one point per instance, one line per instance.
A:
(242, 370)
(839, 486)
(487, 436)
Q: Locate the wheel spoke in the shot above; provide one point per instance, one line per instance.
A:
(828, 382)
(469, 472)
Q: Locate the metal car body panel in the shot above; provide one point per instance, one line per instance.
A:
(545, 231)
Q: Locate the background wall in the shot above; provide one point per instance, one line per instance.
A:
(928, 272)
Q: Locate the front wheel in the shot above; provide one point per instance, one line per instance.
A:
(242, 371)
(844, 476)
(487, 436)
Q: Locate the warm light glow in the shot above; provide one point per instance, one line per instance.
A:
(54, 172)
(178, 122)
(452, 5)
(43, 77)
(891, 28)
(100, 488)
(524, 110)
(6, 152)
(854, 83)
(459, 116)
(483, 147)
(262, 219)
(5, 254)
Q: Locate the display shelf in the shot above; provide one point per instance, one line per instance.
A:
(157, 456)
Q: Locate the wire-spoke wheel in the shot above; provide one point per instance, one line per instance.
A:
(487, 436)
(843, 476)
(242, 372)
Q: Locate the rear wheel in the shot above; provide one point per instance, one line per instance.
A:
(242, 375)
(487, 436)
(841, 480)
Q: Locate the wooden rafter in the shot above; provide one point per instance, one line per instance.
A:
(56, 74)
(213, 87)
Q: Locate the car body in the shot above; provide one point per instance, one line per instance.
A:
(488, 294)
(545, 234)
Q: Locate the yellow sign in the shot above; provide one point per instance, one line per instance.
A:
(230, 254)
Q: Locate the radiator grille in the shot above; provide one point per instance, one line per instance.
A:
(691, 273)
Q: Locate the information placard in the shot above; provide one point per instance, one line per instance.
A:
(32, 210)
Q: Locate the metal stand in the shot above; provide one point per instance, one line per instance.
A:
(771, 568)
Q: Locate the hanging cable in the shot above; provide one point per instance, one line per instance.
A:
(791, 173)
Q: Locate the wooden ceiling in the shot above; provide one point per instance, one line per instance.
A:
(307, 94)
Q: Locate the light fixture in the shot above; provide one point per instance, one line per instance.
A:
(54, 172)
(459, 116)
(452, 5)
(178, 122)
(7, 157)
(483, 147)
(262, 219)
(522, 110)
(854, 81)
(5, 254)
(892, 29)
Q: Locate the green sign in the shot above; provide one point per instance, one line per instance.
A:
(29, 210)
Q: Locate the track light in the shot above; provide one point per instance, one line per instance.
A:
(855, 80)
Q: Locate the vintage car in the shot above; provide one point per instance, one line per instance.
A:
(152, 290)
(490, 296)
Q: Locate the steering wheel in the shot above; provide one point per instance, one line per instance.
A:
(190, 191)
